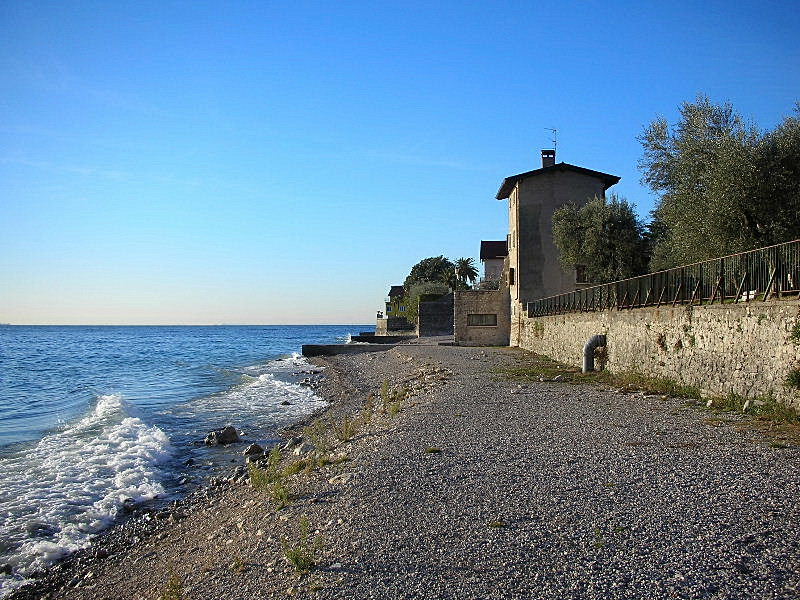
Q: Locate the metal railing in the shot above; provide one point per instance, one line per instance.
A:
(754, 275)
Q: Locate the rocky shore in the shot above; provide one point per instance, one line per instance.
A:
(433, 475)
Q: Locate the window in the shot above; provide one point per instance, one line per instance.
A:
(388, 307)
(478, 320)
(580, 274)
(402, 309)
(511, 276)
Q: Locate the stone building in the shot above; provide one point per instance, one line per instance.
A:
(482, 317)
(493, 255)
(534, 270)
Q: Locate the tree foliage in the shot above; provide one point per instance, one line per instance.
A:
(466, 271)
(776, 211)
(603, 235)
(434, 268)
(723, 185)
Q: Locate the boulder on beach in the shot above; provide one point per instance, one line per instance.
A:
(221, 437)
(292, 442)
(304, 447)
(253, 450)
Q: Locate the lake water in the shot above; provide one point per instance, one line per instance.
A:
(92, 417)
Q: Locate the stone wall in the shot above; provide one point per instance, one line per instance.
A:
(389, 325)
(436, 317)
(482, 302)
(744, 348)
(381, 327)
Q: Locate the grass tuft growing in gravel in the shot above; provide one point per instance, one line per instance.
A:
(173, 590)
(263, 477)
(318, 434)
(385, 391)
(433, 450)
(346, 430)
(538, 367)
(776, 412)
(301, 553)
(238, 565)
(650, 385)
(392, 398)
(280, 495)
(298, 466)
(763, 409)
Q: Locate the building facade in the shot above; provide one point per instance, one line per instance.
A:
(534, 270)
(395, 302)
(394, 320)
(493, 254)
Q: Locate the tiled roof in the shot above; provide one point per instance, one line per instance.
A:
(493, 249)
(509, 182)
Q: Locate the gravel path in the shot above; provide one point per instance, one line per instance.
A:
(601, 495)
(484, 488)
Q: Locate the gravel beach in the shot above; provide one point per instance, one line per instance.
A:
(477, 486)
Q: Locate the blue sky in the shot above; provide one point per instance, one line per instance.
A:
(285, 162)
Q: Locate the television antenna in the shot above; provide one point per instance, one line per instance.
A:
(555, 137)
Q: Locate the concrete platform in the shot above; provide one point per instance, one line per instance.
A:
(381, 339)
(334, 349)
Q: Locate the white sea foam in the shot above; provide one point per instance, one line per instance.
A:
(259, 401)
(289, 364)
(73, 483)
(56, 494)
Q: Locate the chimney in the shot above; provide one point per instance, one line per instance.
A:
(548, 158)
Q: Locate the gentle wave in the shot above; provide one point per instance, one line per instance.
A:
(73, 483)
(71, 455)
(259, 401)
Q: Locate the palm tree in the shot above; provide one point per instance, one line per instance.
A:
(452, 280)
(465, 270)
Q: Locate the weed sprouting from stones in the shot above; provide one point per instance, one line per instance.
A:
(385, 391)
(301, 553)
(280, 495)
(238, 565)
(298, 466)
(393, 398)
(173, 590)
(262, 478)
(318, 434)
(346, 430)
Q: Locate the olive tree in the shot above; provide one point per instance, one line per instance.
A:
(604, 235)
(723, 185)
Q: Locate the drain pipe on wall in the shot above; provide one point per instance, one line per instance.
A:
(596, 341)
